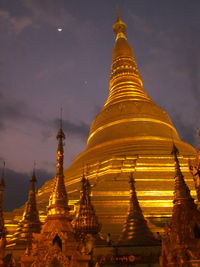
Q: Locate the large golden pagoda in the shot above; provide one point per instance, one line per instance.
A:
(130, 126)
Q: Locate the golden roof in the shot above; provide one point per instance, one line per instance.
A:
(181, 190)
(86, 221)
(30, 222)
(58, 201)
(136, 231)
(128, 110)
(181, 242)
(58, 219)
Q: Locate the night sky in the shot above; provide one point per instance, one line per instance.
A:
(43, 69)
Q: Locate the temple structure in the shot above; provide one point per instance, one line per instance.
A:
(86, 224)
(29, 223)
(129, 126)
(56, 244)
(181, 244)
(136, 231)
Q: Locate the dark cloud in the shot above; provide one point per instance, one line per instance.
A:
(80, 129)
(17, 185)
(12, 110)
(71, 129)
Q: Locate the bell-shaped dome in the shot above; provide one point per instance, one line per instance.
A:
(130, 126)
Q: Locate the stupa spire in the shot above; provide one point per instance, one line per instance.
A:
(180, 244)
(56, 245)
(136, 231)
(58, 201)
(86, 221)
(30, 222)
(119, 27)
(181, 190)
(31, 212)
(125, 81)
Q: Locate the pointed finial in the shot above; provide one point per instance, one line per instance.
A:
(61, 110)
(60, 134)
(87, 169)
(131, 181)
(131, 178)
(119, 26)
(135, 230)
(181, 190)
(175, 150)
(33, 177)
(118, 13)
(58, 201)
(83, 176)
(86, 221)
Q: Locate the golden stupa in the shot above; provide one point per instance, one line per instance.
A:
(130, 127)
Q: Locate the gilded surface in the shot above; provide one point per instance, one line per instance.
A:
(56, 244)
(58, 201)
(181, 244)
(129, 126)
(136, 231)
(30, 222)
(86, 221)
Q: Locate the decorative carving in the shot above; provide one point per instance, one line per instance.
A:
(56, 244)
(181, 243)
(30, 222)
(86, 222)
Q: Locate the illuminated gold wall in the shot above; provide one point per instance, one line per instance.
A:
(130, 126)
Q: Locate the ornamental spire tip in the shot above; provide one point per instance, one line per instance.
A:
(119, 26)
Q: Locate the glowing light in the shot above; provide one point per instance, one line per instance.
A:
(132, 120)
(59, 29)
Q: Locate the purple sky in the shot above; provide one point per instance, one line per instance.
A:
(42, 70)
